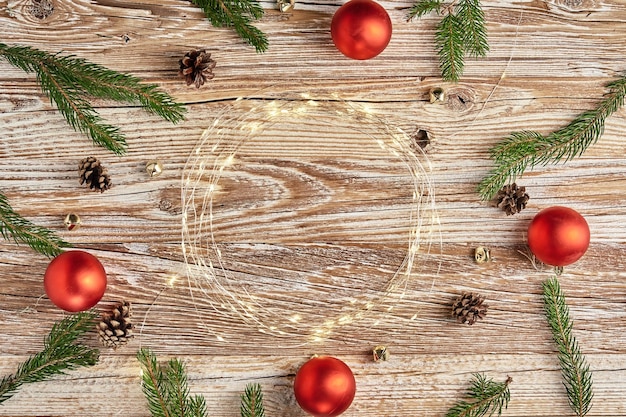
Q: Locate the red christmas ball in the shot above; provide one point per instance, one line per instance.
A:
(558, 236)
(361, 29)
(75, 280)
(324, 386)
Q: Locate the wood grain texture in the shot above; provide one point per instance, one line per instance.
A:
(299, 214)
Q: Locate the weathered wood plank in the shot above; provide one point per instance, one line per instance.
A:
(301, 217)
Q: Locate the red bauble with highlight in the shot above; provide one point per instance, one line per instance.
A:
(324, 386)
(558, 236)
(361, 29)
(75, 281)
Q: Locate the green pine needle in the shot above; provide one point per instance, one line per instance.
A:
(577, 376)
(166, 388)
(252, 401)
(177, 380)
(197, 407)
(485, 398)
(15, 227)
(69, 82)
(101, 82)
(423, 7)
(61, 353)
(472, 19)
(528, 149)
(238, 14)
(460, 32)
(450, 46)
(153, 384)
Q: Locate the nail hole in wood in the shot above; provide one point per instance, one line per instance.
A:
(420, 138)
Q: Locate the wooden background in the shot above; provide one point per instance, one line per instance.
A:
(301, 217)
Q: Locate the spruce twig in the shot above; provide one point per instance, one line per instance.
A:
(577, 376)
(252, 401)
(166, 388)
(153, 384)
(527, 149)
(485, 398)
(61, 353)
(450, 47)
(15, 227)
(68, 81)
(239, 15)
(472, 19)
(424, 7)
(460, 32)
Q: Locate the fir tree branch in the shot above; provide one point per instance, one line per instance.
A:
(252, 401)
(67, 80)
(153, 384)
(461, 31)
(485, 398)
(528, 149)
(15, 227)
(101, 82)
(197, 406)
(177, 380)
(239, 15)
(166, 388)
(512, 157)
(450, 47)
(472, 20)
(79, 113)
(61, 353)
(423, 7)
(577, 376)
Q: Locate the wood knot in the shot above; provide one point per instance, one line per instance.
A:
(578, 5)
(461, 99)
(169, 207)
(169, 201)
(41, 9)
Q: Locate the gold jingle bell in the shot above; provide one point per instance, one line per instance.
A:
(154, 168)
(380, 353)
(285, 5)
(482, 255)
(437, 95)
(72, 221)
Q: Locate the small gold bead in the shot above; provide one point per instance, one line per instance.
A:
(154, 168)
(72, 221)
(482, 255)
(380, 353)
(437, 95)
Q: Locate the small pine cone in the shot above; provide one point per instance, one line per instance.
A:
(468, 308)
(512, 199)
(115, 327)
(197, 67)
(94, 174)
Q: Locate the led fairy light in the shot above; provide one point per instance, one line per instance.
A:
(217, 152)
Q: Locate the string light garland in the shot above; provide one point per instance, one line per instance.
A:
(215, 281)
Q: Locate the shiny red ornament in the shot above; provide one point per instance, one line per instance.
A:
(361, 29)
(324, 386)
(75, 281)
(558, 236)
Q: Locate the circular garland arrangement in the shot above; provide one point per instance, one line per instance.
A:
(216, 155)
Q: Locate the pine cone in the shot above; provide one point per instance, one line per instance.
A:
(91, 171)
(115, 327)
(512, 199)
(468, 308)
(197, 67)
